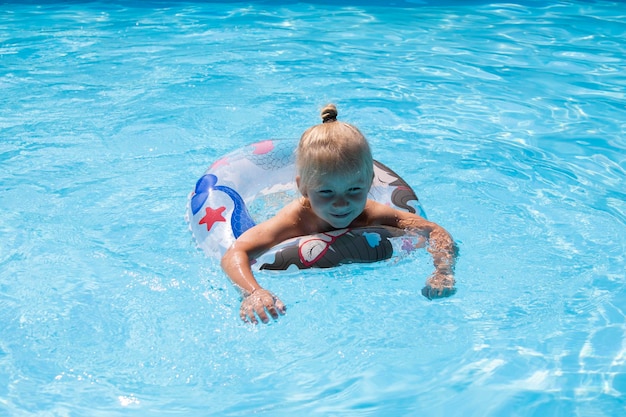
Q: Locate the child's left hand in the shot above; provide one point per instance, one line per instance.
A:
(439, 285)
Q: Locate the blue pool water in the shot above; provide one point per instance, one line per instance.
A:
(508, 119)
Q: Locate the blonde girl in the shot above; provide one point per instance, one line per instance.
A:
(334, 170)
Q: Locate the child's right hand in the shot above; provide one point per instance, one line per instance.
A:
(259, 303)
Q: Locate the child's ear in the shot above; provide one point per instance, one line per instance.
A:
(298, 185)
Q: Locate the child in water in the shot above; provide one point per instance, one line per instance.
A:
(335, 170)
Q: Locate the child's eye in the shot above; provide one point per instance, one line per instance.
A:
(355, 190)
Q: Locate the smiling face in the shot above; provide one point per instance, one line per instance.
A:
(340, 198)
(335, 170)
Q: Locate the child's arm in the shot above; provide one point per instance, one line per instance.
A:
(257, 301)
(444, 252)
(442, 246)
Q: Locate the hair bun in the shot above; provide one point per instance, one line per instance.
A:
(329, 113)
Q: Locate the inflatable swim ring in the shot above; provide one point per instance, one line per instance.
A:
(254, 182)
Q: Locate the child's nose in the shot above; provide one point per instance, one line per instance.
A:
(340, 201)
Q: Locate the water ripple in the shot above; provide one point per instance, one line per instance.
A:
(508, 119)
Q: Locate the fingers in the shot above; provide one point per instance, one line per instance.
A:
(248, 317)
(282, 308)
(247, 313)
(426, 292)
(439, 285)
(259, 304)
(431, 293)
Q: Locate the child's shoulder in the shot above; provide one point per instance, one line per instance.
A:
(381, 214)
(294, 207)
(298, 216)
(285, 224)
(294, 212)
(375, 208)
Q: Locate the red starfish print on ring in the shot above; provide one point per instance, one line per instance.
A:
(212, 216)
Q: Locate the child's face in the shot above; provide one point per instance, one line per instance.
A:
(338, 199)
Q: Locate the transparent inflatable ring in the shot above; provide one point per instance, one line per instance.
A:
(252, 183)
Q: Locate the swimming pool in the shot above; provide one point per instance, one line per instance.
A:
(508, 119)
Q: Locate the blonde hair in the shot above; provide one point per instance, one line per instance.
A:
(332, 147)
